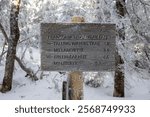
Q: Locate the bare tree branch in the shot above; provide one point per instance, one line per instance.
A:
(147, 38)
(144, 3)
(4, 32)
(134, 11)
(2, 53)
(29, 71)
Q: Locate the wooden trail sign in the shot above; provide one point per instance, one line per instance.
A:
(77, 47)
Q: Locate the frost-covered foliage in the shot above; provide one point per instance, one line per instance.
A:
(4, 16)
(94, 79)
(138, 38)
(4, 19)
(135, 50)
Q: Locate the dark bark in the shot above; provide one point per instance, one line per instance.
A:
(12, 44)
(64, 91)
(120, 5)
(119, 72)
(119, 77)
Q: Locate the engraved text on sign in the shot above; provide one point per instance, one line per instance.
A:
(83, 46)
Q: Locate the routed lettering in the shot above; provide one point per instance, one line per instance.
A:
(83, 46)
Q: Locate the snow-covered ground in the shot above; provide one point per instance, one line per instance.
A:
(46, 89)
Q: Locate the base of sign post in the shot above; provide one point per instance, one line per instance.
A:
(75, 85)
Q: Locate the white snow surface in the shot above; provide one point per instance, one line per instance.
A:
(49, 88)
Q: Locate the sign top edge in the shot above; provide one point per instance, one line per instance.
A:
(79, 23)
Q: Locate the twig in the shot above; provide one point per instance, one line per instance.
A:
(144, 7)
(24, 52)
(37, 70)
(23, 40)
(144, 3)
(3, 52)
(134, 11)
(29, 71)
(135, 29)
(4, 33)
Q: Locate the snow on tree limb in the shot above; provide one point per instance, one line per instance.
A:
(4, 32)
(29, 71)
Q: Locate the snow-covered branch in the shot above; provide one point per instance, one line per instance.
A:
(29, 71)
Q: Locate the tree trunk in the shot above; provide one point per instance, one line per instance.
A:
(119, 77)
(12, 44)
(119, 72)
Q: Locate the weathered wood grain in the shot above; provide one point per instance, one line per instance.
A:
(77, 46)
